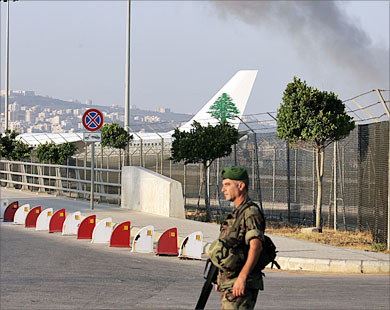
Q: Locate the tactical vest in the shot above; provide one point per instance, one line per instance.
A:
(229, 252)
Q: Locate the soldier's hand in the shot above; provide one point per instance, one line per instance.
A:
(239, 286)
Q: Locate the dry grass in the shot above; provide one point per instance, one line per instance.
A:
(357, 240)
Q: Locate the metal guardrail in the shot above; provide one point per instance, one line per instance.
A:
(60, 178)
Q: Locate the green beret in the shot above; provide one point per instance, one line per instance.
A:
(234, 173)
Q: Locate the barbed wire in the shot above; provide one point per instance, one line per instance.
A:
(368, 92)
(368, 119)
(258, 121)
(366, 107)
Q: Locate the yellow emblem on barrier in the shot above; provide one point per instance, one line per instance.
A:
(197, 237)
(173, 234)
(61, 214)
(37, 211)
(49, 213)
(76, 217)
(25, 209)
(126, 227)
(149, 232)
(91, 221)
(108, 224)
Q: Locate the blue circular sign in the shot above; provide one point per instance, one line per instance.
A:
(92, 119)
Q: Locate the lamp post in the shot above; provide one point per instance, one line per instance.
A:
(127, 82)
(6, 68)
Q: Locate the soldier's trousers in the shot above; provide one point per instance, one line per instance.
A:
(248, 301)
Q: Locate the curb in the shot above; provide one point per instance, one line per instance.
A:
(334, 265)
(310, 264)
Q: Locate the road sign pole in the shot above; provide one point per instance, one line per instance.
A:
(92, 175)
(92, 121)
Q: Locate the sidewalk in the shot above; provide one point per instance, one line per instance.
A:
(293, 254)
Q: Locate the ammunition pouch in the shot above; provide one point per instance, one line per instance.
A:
(227, 255)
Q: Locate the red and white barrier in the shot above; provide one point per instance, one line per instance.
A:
(57, 221)
(102, 231)
(120, 236)
(86, 227)
(71, 224)
(9, 213)
(43, 219)
(32, 216)
(167, 243)
(143, 240)
(191, 247)
(3, 205)
(20, 214)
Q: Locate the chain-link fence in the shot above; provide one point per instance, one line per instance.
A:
(355, 182)
(356, 168)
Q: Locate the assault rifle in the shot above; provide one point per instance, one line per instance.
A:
(210, 274)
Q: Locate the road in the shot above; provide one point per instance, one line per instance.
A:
(50, 271)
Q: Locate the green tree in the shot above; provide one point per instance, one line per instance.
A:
(309, 117)
(115, 136)
(223, 108)
(55, 154)
(65, 151)
(13, 149)
(47, 152)
(203, 145)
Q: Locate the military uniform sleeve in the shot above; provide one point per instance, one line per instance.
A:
(254, 226)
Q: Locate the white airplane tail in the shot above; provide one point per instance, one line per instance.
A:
(238, 89)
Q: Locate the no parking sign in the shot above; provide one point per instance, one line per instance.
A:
(92, 119)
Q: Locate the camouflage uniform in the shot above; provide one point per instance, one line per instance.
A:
(252, 226)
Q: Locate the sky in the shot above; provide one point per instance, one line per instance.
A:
(183, 52)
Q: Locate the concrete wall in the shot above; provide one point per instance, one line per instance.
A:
(147, 191)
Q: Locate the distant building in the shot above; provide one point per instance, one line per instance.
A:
(163, 110)
(18, 92)
(151, 119)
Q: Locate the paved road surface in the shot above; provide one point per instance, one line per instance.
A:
(49, 271)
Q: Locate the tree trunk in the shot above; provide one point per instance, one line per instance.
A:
(206, 193)
(320, 173)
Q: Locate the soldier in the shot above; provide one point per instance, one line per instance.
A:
(239, 289)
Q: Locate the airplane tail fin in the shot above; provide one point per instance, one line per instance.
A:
(238, 89)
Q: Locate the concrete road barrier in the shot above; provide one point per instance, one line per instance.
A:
(71, 224)
(143, 240)
(9, 213)
(102, 231)
(20, 214)
(57, 221)
(3, 205)
(86, 227)
(167, 243)
(32, 216)
(43, 219)
(191, 247)
(120, 236)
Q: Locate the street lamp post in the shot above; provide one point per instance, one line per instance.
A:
(127, 82)
(6, 69)
(6, 88)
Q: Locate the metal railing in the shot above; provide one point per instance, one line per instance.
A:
(60, 178)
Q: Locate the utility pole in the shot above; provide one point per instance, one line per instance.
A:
(257, 168)
(127, 85)
(335, 185)
(6, 69)
(388, 171)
